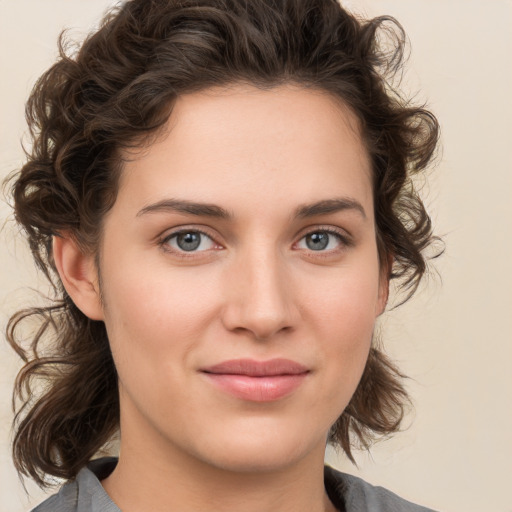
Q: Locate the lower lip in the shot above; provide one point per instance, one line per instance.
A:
(257, 389)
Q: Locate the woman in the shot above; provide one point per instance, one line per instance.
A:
(221, 192)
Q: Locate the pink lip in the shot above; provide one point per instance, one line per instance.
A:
(257, 381)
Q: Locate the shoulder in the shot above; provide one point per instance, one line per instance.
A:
(85, 493)
(360, 496)
(64, 501)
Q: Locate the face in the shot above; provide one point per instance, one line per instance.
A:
(240, 278)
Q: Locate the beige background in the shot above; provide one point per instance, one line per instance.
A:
(455, 338)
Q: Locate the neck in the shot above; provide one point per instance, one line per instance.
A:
(162, 480)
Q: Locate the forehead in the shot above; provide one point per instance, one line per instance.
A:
(288, 144)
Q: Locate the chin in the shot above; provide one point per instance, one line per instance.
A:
(262, 452)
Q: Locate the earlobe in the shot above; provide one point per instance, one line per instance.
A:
(78, 275)
(384, 286)
(383, 295)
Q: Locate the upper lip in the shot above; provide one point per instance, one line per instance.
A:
(253, 368)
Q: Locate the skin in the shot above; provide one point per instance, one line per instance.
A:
(254, 288)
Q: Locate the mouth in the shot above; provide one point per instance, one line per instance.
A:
(257, 381)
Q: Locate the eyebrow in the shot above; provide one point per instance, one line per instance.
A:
(323, 207)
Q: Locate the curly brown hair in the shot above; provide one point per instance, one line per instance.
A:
(114, 93)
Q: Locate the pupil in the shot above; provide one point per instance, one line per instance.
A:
(319, 241)
(188, 241)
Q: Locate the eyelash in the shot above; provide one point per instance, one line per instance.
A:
(340, 235)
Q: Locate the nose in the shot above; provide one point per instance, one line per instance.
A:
(260, 299)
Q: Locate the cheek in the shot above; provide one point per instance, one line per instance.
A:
(345, 316)
(349, 303)
(155, 313)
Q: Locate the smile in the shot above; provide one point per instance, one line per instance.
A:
(257, 381)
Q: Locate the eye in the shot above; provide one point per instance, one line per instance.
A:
(324, 240)
(188, 240)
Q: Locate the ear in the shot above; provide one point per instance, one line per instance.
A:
(79, 275)
(384, 277)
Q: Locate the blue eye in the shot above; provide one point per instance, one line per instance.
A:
(323, 239)
(189, 241)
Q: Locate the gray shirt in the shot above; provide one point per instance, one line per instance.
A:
(347, 493)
